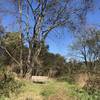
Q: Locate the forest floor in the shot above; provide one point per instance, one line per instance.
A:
(52, 90)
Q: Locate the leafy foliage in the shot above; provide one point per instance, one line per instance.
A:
(8, 85)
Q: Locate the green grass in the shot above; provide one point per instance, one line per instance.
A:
(53, 90)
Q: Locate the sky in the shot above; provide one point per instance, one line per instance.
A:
(61, 43)
(61, 46)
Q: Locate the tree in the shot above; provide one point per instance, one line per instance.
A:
(52, 63)
(87, 47)
(10, 44)
(47, 15)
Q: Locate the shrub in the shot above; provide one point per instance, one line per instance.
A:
(67, 78)
(93, 86)
(9, 85)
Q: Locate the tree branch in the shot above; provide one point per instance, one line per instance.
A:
(10, 54)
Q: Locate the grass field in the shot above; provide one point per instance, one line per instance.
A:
(53, 90)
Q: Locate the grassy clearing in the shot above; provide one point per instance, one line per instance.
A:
(53, 90)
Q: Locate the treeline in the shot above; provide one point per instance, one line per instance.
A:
(47, 64)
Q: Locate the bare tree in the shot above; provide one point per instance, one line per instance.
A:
(21, 36)
(49, 15)
(87, 47)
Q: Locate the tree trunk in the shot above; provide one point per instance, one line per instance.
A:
(21, 40)
(35, 60)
